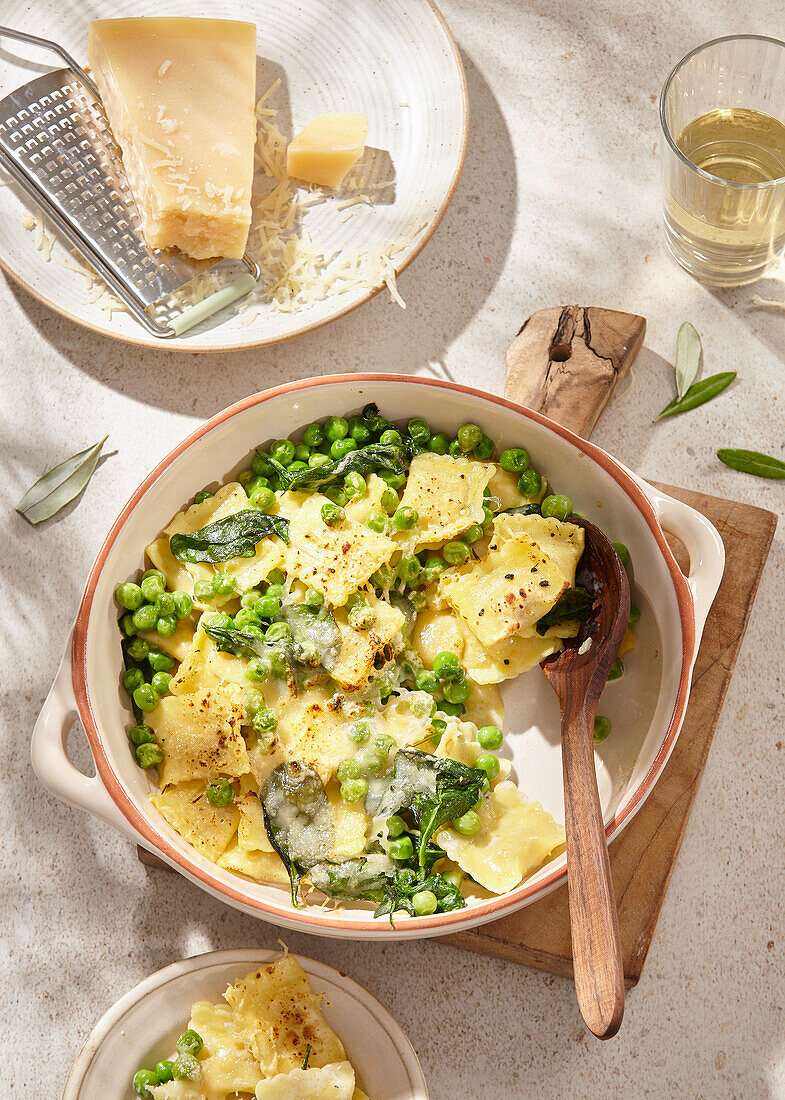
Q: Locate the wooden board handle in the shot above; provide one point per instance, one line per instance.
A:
(567, 361)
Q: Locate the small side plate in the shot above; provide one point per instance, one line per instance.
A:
(141, 1028)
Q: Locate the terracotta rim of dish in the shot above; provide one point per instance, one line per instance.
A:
(203, 349)
(494, 908)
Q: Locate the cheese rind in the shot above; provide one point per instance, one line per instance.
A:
(179, 96)
(327, 149)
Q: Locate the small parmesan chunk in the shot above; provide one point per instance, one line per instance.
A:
(200, 736)
(446, 492)
(515, 838)
(325, 151)
(336, 560)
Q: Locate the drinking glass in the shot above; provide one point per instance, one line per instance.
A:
(725, 232)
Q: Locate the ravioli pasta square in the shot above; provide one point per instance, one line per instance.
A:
(360, 648)
(447, 494)
(200, 736)
(208, 828)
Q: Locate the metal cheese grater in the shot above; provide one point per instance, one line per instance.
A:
(56, 143)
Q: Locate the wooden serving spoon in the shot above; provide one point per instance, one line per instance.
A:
(577, 675)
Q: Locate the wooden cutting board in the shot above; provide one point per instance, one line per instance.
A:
(566, 362)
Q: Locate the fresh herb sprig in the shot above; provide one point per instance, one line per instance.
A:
(689, 393)
(60, 485)
(575, 604)
(752, 462)
(234, 536)
(698, 394)
(365, 460)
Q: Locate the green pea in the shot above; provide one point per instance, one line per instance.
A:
(274, 591)
(383, 577)
(417, 600)
(260, 465)
(371, 762)
(341, 447)
(426, 681)
(313, 597)
(353, 790)
(224, 584)
(489, 737)
(186, 1067)
(377, 521)
(395, 826)
(355, 484)
(622, 551)
(602, 727)
(454, 877)
(127, 625)
(255, 484)
(391, 438)
(455, 553)
(203, 590)
(149, 756)
(457, 691)
(183, 605)
(347, 769)
(313, 436)
(455, 710)
(302, 452)
(160, 681)
(401, 849)
(360, 732)
(332, 514)
(472, 534)
(418, 430)
(141, 735)
(263, 499)
(447, 666)
(253, 701)
(166, 626)
(164, 604)
(164, 1070)
(617, 669)
(389, 501)
(202, 496)
(468, 824)
(408, 570)
(361, 617)
(265, 721)
(484, 449)
(129, 596)
(337, 495)
(245, 476)
(336, 428)
(138, 649)
(275, 576)
(279, 666)
(487, 517)
(143, 1080)
(530, 483)
(152, 587)
(439, 443)
(424, 903)
(488, 763)
(392, 479)
(277, 632)
(405, 518)
(433, 569)
(438, 725)
(245, 617)
(219, 621)
(145, 617)
(514, 460)
(468, 437)
(190, 1041)
(154, 573)
(297, 465)
(220, 793)
(384, 743)
(359, 430)
(635, 614)
(146, 697)
(282, 451)
(132, 679)
(556, 507)
(318, 459)
(257, 670)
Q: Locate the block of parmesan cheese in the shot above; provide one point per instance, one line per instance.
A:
(327, 148)
(179, 96)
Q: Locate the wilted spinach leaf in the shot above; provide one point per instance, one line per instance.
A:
(234, 536)
(399, 891)
(576, 603)
(297, 819)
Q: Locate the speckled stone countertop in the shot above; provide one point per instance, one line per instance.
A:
(559, 202)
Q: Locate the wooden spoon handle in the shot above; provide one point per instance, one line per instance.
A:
(594, 923)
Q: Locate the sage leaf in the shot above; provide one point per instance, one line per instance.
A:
(60, 485)
(576, 603)
(297, 819)
(688, 358)
(233, 536)
(698, 394)
(365, 460)
(752, 462)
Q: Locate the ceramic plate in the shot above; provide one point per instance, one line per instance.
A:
(397, 62)
(141, 1028)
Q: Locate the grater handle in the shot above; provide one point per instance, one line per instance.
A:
(240, 286)
(54, 47)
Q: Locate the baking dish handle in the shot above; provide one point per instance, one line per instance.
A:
(704, 546)
(52, 765)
